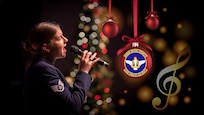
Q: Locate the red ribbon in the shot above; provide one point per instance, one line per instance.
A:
(131, 40)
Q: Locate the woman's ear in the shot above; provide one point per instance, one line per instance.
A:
(45, 48)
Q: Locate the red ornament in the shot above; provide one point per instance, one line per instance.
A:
(110, 28)
(135, 58)
(152, 22)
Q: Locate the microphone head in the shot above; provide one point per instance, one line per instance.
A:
(76, 50)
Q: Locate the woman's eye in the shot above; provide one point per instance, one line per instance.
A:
(59, 38)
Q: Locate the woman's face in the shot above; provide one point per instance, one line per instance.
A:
(57, 46)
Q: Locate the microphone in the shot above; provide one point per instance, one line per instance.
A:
(76, 50)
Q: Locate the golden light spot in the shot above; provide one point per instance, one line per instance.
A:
(190, 71)
(169, 58)
(145, 94)
(163, 29)
(165, 9)
(186, 99)
(160, 44)
(184, 29)
(179, 46)
(173, 100)
(69, 79)
(189, 89)
(181, 75)
(122, 101)
(147, 38)
(179, 26)
(86, 28)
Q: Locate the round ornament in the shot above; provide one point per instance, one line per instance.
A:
(136, 62)
(152, 22)
(110, 28)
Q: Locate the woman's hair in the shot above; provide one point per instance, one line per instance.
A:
(41, 33)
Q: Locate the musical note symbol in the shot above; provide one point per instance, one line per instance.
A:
(171, 84)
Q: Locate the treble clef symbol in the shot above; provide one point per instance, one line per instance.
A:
(171, 85)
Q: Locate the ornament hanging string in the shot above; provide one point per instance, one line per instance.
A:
(110, 17)
(152, 18)
(110, 27)
(135, 21)
(152, 12)
(109, 9)
(136, 38)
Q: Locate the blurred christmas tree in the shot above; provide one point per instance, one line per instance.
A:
(99, 99)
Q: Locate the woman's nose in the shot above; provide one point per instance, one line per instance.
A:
(66, 39)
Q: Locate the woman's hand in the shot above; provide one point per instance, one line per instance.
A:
(87, 61)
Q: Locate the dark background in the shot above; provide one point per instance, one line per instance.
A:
(16, 18)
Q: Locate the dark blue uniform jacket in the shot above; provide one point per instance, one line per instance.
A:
(47, 92)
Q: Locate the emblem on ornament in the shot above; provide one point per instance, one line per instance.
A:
(135, 62)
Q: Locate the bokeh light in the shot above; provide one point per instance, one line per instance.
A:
(121, 101)
(184, 29)
(163, 29)
(182, 76)
(164, 9)
(173, 100)
(186, 99)
(145, 94)
(190, 71)
(169, 58)
(179, 45)
(160, 44)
